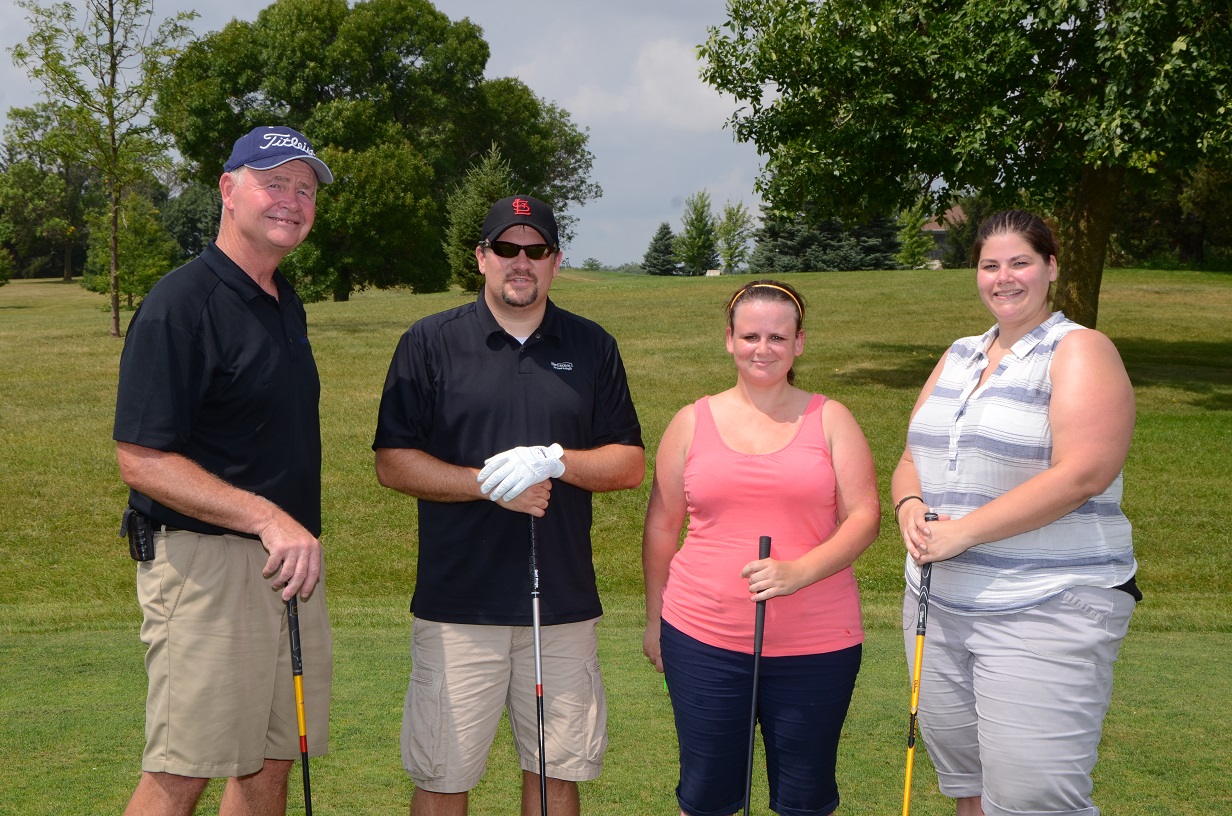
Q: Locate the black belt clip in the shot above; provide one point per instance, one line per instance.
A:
(140, 532)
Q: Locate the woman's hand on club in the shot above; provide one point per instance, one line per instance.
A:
(931, 541)
(769, 578)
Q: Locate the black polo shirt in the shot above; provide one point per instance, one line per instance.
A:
(217, 370)
(461, 389)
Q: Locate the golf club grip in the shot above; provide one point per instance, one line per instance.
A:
(297, 659)
(759, 624)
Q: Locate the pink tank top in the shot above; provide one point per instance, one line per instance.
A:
(734, 499)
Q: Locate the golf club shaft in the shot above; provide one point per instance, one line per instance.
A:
(297, 673)
(759, 628)
(536, 629)
(921, 625)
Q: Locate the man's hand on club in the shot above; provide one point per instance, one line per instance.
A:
(294, 561)
(507, 474)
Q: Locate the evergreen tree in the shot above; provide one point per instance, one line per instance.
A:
(797, 243)
(660, 257)
(697, 245)
(488, 181)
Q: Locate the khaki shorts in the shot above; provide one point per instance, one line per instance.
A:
(221, 698)
(463, 676)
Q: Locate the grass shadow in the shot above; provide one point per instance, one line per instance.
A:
(1201, 369)
(903, 366)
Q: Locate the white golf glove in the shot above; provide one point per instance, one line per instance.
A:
(507, 474)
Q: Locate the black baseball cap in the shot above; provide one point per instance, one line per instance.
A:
(265, 148)
(521, 209)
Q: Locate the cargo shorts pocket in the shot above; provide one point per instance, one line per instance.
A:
(423, 755)
(596, 716)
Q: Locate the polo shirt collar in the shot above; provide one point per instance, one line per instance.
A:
(549, 326)
(229, 272)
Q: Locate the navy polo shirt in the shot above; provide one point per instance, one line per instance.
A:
(218, 371)
(461, 389)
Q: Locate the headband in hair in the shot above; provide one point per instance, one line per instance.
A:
(731, 305)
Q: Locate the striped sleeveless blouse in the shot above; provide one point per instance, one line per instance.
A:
(971, 445)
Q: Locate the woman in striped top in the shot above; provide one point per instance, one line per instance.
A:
(1017, 441)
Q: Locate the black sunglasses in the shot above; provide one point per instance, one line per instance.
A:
(508, 249)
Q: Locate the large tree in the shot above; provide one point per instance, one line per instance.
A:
(45, 189)
(859, 107)
(388, 84)
(101, 64)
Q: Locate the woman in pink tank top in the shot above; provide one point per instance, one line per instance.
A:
(763, 458)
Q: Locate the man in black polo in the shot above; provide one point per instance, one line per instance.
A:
(495, 412)
(218, 437)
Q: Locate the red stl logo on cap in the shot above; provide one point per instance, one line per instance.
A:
(521, 206)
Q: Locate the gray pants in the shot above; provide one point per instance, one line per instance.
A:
(1012, 705)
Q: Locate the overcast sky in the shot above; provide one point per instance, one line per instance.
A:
(626, 71)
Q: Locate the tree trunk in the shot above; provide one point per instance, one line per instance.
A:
(115, 262)
(342, 286)
(1084, 232)
(68, 261)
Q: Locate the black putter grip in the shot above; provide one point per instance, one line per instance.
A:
(297, 658)
(763, 547)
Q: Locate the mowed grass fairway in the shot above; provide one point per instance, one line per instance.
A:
(71, 679)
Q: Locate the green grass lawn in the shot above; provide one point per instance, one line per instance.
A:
(71, 677)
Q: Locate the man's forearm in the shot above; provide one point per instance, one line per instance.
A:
(423, 476)
(606, 468)
(179, 483)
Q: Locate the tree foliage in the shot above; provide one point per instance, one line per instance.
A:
(660, 257)
(913, 243)
(103, 70)
(191, 217)
(859, 107)
(961, 225)
(799, 243)
(392, 90)
(1175, 219)
(697, 244)
(146, 250)
(733, 231)
(45, 191)
(487, 182)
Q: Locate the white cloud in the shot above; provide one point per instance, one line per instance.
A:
(663, 89)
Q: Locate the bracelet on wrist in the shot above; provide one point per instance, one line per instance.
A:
(903, 501)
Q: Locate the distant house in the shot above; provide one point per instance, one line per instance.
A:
(936, 227)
